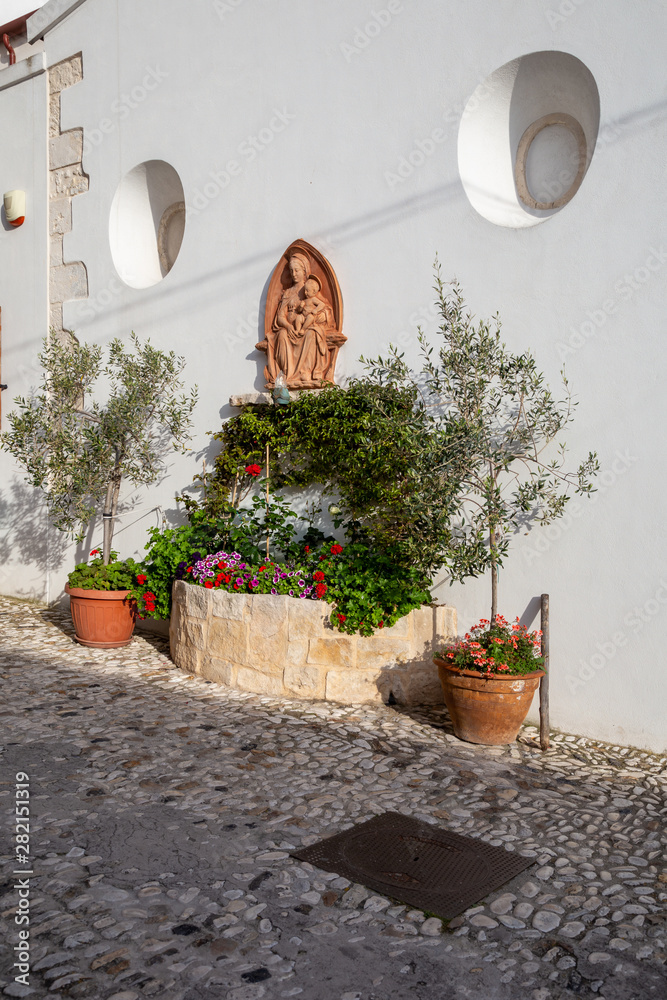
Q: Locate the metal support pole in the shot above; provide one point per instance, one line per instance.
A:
(544, 681)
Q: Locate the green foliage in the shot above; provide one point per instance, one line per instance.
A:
(79, 455)
(370, 588)
(114, 575)
(392, 468)
(171, 551)
(498, 648)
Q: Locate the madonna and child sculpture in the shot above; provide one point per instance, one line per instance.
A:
(303, 320)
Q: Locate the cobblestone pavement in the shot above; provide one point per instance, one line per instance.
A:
(163, 809)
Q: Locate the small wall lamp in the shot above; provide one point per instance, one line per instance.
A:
(15, 207)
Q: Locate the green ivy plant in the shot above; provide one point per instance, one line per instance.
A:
(391, 469)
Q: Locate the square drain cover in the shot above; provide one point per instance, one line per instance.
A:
(420, 864)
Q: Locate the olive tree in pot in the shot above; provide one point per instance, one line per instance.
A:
(79, 451)
(508, 418)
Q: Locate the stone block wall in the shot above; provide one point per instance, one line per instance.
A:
(287, 647)
(67, 279)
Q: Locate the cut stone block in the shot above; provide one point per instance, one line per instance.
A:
(193, 631)
(445, 622)
(352, 686)
(258, 682)
(305, 681)
(332, 652)
(402, 629)
(224, 605)
(60, 216)
(65, 74)
(228, 640)
(268, 630)
(197, 602)
(297, 653)
(67, 181)
(54, 114)
(411, 685)
(55, 251)
(220, 671)
(378, 651)
(66, 149)
(68, 281)
(306, 619)
(183, 654)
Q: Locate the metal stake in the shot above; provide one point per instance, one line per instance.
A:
(544, 681)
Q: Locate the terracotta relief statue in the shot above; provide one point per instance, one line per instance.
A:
(303, 320)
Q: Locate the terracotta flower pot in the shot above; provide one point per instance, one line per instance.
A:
(102, 618)
(486, 710)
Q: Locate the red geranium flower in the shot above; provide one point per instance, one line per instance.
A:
(149, 596)
(318, 575)
(342, 618)
(321, 589)
(307, 548)
(336, 550)
(253, 470)
(222, 565)
(209, 584)
(94, 552)
(141, 579)
(381, 625)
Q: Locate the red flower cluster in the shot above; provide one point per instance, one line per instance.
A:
(141, 579)
(94, 552)
(342, 618)
(321, 590)
(336, 550)
(149, 601)
(497, 648)
(318, 575)
(253, 470)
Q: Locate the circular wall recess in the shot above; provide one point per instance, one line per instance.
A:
(147, 223)
(527, 137)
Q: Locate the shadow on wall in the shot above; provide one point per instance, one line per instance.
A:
(413, 681)
(27, 537)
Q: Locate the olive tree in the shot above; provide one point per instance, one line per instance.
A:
(508, 417)
(78, 450)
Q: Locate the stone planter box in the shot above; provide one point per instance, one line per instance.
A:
(287, 647)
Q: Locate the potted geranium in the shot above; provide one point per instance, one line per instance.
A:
(105, 599)
(489, 679)
(79, 454)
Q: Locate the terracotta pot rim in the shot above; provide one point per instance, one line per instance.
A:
(487, 677)
(97, 595)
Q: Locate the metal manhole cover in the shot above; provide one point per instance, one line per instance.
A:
(420, 864)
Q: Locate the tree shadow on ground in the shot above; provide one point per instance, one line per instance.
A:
(60, 617)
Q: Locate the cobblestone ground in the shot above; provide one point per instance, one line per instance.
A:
(163, 810)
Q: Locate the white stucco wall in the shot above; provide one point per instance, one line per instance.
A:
(27, 553)
(344, 108)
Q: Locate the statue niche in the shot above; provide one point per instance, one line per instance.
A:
(303, 320)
